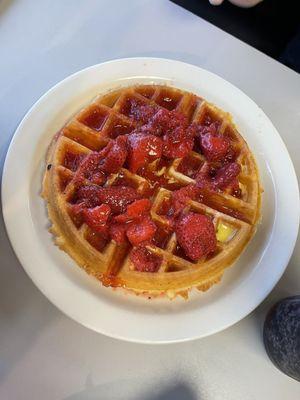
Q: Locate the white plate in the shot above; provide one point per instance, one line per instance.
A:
(122, 315)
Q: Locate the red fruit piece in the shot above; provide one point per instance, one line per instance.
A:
(116, 155)
(89, 167)
(96, 218)
(89, 194)
(177, 148)
(226, 175)
(181, 196)
(143, 260)
(215, 148)
(172, 120)
(159, 123)
(164, 122)
(196, 235)
(203, 129)
(142, 231)
(142, 150)
(134, 210)
(179, 139)
(98, 178)
(117, 197)
(204, 178)
(118, 233)
(139, 111)
(97, 240)
(76, 213)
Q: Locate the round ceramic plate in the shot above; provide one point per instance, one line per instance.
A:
(113, 312)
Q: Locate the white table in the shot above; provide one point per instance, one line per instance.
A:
(45, 355)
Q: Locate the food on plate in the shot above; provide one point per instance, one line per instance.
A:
(152, 189)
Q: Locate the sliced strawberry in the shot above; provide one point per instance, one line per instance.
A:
(96, 165)
(118, 233)
(226, 175)
(139, 232)
(97, 240)
(196, 235)
(144, 261)
(98, 178)
(116, 155)
(181, 196)
(139, 111)
(117, 197)
(164, 122)
(105, 150)
(96, 218)
(203, 129)
(204, 178)
(134, 210)
(90, 169)
(89, 194)
(89, 165)
(142, 150)
(76, 213)
(174, 149)
(175, 119)
(159, 123)
(214, 148)
(178, 142)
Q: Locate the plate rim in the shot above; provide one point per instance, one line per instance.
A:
(18, 252)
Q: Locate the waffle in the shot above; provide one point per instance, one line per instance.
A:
(234, 217)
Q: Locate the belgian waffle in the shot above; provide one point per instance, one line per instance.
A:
(234, 217)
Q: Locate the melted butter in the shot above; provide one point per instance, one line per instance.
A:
(224, 232)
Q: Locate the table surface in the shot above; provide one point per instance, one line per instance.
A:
(44, 354)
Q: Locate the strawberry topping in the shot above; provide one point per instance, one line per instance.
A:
(179, 138)
(143, 260)
(142, 231)
(89, 195)
(226, 175)
(96, 218)
(134, 210)
(215, 148)
(181, 196)
(120, 213)
(177, 145)
(196, 235)
(139, 111)
(117, 197)
(142, 150)
(76, 211)
(116, 155)
(118, 232)
(89, 167)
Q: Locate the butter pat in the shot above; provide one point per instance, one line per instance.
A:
(224, 232)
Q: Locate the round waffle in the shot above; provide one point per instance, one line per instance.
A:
(234, 216)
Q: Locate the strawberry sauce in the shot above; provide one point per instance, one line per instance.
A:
(120, 211)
